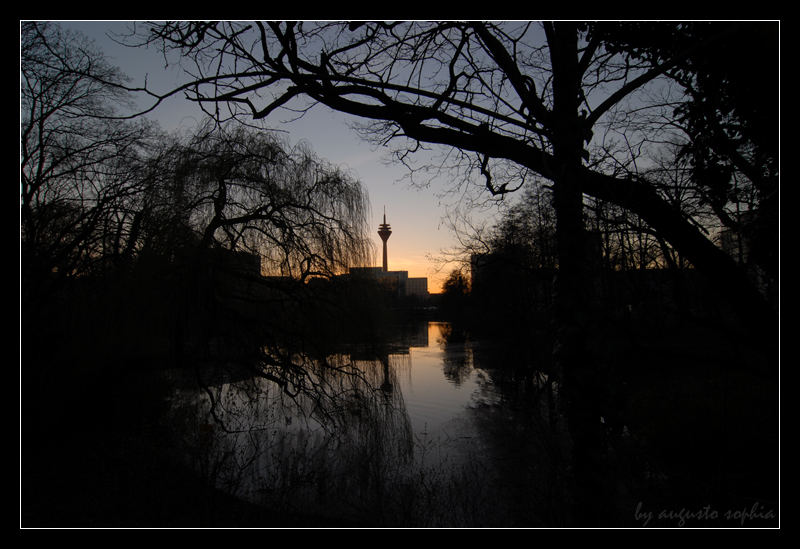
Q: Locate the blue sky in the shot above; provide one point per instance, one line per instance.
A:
(414, 214)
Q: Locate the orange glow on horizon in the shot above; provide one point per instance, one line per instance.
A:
(410, 246)
(417, 268)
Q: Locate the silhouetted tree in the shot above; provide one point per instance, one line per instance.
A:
(510, 100)
(227, 192)
(98, 193)
(119, 228)
(456, 283)
(528, 224)
(79, 170)
(494, 92)
(243, 189)
(729, 126)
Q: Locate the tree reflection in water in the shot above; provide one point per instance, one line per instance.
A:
(345, 447)
(334, 435)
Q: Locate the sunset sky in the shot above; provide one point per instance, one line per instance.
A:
(416, 215)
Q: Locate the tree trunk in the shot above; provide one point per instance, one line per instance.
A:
(573, 310)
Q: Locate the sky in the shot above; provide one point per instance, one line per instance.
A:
(416, 215)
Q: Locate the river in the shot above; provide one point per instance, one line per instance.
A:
(420, 436)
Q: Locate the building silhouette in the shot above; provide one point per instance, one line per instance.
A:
(396, 283)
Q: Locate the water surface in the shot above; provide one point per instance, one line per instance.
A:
(405, 443)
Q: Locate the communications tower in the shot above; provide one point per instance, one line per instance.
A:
(385, 231)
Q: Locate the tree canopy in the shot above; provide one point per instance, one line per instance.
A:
(510, 102)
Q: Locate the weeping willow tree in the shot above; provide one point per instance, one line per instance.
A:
(240, 222)
(234, 189)
(245, 190)
(124, 236)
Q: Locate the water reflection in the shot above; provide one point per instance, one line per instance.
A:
(386, 438)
